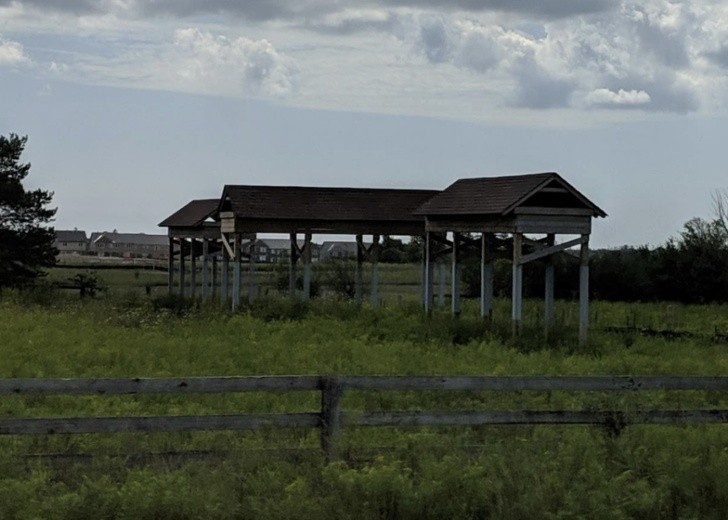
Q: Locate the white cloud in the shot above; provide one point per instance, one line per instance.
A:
(604, 96)
(426, 57)
(12, 53)
(252, 67)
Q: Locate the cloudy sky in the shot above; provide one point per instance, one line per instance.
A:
(134, 107)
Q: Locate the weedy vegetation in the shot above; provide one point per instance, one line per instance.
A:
(398, 473)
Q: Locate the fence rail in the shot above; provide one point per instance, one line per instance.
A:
(331, 419)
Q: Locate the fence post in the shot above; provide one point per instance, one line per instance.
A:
(331, 391)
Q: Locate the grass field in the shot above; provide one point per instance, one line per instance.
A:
(486, 472)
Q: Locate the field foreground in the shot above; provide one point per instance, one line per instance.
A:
(486, 472)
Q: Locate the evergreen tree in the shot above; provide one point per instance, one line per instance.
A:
(26, 244)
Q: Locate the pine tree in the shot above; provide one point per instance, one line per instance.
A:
(26, 244)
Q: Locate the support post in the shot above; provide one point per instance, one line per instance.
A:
(517, 291)
(455, 301)
(548, 320)
(428, 273)
(441, 275)
(252, 287)
(193, 268)
(236, 272)
(359, 277)
(182, 267)
(205, 269)
(293, 259)
(374, 257)
(307, 266)
(584, 291)
(224, 276)
(331, 392)
(170, 267)
(215, 277)
(486, 276)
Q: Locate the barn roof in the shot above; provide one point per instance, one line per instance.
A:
(327, 204)
(193, 214)
(501, 195)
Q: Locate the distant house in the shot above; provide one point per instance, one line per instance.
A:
(129, 245)
(71, 242)
(271, 250)
(333, 250)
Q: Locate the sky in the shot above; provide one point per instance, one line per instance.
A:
(134, 107)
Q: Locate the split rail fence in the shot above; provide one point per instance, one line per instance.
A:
(332, 418)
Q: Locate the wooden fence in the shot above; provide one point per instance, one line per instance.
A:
(331, 418)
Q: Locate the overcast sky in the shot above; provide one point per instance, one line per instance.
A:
(134, 107)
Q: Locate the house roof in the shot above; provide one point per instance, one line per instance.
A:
(500, 195)
(193, 214)
(130, 238)
(73, 235)
(330, 204)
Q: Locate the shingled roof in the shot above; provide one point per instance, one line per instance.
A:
(73, 235)
(327, 204)
(193, 214)
(498, 195)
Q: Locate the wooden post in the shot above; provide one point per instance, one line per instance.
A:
(236, 271)
(293, 259)
(193, 268)
(205, 269)
(331, 392)
(428, 273)
(170, 267)
(182, 267)
(486, 276)
(374, 257)
(307, 266)
(517, 291)
(584, 291)
(252, 287)
(441, 279)
(359, 276)
(549, 289)
(455, 282)
(224, 276)
(213, 289)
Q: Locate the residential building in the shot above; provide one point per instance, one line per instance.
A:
(129, 245)
(271, 250)
(71, 242)
(338, 250)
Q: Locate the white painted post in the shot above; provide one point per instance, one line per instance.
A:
(517, 291)
(486, 276)
(170, 267)
(359, 276)
(293, 259)
(441, 279)
(215, 278)
(549, 288)
(182, 267)
(584, 291)
(307, 266)
(374, 257)
(455, 281)
(193, 268)
(224, 275)
(252, 287)
(428, 274)
(205, 269)
(236, 272)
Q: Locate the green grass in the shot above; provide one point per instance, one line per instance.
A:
(498, 472)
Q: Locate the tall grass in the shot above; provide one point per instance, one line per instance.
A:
(487, 472)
